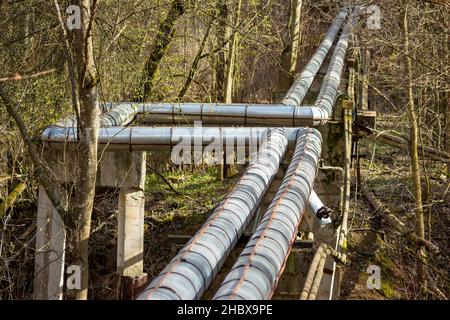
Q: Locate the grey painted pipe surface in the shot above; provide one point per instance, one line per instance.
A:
(114, 114)
(191, 272)
(255, 274)
(215, 114)
(330, 88)
(163, 138)
(212, 114)
(303, 82)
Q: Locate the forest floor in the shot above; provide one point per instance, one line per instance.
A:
(386, 172)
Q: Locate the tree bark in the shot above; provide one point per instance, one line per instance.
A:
(289, 56)
(87, 143)
(414, 157)
(447, 94)
(232, 52)
(165, 35)
(196, 61)
(222, 32)
(395, 223)
(364, 97)
(295, 45)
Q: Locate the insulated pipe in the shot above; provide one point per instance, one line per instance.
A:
(257, 270)
(191, 272)
(303, 82)
(165, 138)
(219, 114)
(320, 211)
(330, 88)
(315, 204)
(115, 114)
(315, 272)
(212, 114)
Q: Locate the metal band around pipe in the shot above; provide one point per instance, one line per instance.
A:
(303, 82)
(257, 270)
(191, 272)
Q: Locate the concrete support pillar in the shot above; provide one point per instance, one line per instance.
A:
(117, 170)
(130, 247)
(50, 251)
(126, 171)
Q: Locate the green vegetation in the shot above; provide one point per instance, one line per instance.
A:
(199, 192)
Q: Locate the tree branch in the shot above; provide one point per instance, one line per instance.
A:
(43, 175)
(19, 77)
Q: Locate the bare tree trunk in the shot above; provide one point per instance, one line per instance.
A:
(88, 140)
(222, 32)
(228, 170)
(289, 56)
(232, 52)
(364, 97)
(196, 61)
(295, 30)
(414, 157)
(164, 37)
(447, 93)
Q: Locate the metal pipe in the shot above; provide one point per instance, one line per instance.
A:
(317, 277)
(165, 138)
(217, 114)
(319, 210)
(267, 115)
(330, 88)
(315, 272)
(303, 82)
(258, 268)
(114, 114)
(191, 272)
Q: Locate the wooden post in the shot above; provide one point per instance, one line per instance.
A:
(364, 97)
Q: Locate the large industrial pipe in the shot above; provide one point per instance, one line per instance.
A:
(257, 270)
(303, 82)
(191, 272)
(114, 114)
(330, 88)
(165, 138)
